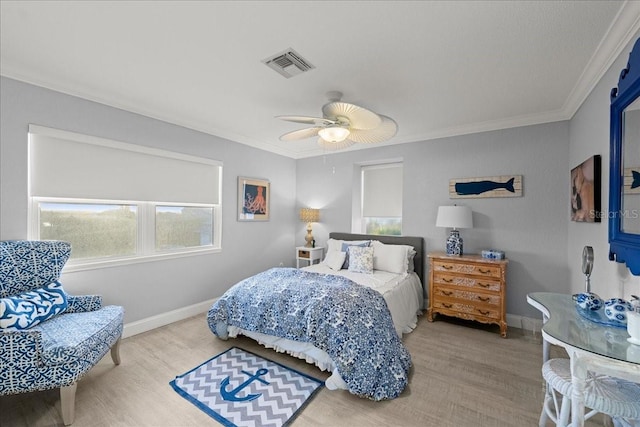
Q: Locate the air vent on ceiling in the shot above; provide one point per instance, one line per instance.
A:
(289, 63)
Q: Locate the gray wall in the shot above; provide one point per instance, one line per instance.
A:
(532, 229)
(150, 288)
(543, 246)
(589, 135)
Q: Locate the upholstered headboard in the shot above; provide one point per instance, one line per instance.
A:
(416, 242)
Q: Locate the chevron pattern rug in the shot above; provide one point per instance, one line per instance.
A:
(239, 388)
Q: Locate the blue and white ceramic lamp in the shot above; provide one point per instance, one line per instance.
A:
(454, 217)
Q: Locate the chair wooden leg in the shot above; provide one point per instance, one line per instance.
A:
(115, 352)
(68, 403)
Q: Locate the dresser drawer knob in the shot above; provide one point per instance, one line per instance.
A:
(447, 267)
(447, 293)
(484, 312)
(484, 271)
(484, 299)
(444, 279)
(447, 305)
(484, 285)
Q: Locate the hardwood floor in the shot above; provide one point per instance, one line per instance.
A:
(464, 374)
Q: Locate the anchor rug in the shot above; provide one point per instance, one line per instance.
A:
(239, 388)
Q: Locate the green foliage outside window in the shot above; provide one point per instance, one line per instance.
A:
(110, 230)
(94, 231)
(383, 226)
(183, 227)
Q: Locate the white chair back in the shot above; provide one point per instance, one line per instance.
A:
(626, 376)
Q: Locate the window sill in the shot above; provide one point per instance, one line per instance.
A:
(96, 264)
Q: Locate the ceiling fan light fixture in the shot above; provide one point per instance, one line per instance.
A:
(334, 133)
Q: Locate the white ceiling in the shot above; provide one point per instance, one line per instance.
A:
(438, 68)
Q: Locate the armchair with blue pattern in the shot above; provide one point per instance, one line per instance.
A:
(57, 352)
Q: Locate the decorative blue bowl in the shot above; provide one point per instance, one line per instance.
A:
(616, 309)
(588, 301)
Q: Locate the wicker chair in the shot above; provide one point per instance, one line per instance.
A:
(605, 385)
(602, 385)
(57, 352)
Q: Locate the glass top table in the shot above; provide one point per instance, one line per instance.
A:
(564, 326)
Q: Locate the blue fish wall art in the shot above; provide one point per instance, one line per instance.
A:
(631, 180)
(492, 186)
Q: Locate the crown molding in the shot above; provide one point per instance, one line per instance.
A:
(622, 30)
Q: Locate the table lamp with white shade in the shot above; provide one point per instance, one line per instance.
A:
(454, 217)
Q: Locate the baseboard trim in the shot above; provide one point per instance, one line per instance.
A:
(525, 323)
(149, 323)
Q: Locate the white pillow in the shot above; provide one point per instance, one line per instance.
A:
(411, 267)
(334, 245)
(334, 260)
(392, 258)
(361, 259)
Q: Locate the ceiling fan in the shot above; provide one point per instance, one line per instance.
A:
(342, 125)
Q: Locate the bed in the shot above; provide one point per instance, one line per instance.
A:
(342, 316)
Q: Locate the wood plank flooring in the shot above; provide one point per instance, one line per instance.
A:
(463, 374)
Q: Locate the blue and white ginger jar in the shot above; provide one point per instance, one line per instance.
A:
(588, 301)
(616, 309)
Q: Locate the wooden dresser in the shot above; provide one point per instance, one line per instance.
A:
(469, 287)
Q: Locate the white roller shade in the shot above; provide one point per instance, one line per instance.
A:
(68, 165)
(382, 190)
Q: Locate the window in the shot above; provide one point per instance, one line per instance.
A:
(117, 202)
(180, 227)
(382, 199)
(94, 230)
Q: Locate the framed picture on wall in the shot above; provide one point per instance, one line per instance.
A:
(585, 191)
(253, 199)
(631, 180)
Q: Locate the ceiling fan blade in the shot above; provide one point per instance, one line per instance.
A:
(300, 134)
(359, 118)
(332, 146)
(318, 121)
(387, 129)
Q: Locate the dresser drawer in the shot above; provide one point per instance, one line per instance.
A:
(466, 268)
(467, 311)
(450, 295)
(467, 282)
(469, 287)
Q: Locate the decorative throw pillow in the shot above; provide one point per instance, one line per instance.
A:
(30, 308)
(335, 259)
(361, 259)
(347, 244)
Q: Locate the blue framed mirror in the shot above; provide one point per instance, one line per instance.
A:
(624, 184)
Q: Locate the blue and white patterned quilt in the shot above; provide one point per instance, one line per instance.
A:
(348, 321)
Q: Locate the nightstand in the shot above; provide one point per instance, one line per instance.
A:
(469, 287)
(310, 255)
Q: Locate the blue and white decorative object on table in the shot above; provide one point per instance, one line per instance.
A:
(588, 301)
(493, 254)
(616, 309)
(454, 217)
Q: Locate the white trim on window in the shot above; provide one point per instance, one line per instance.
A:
(66, 167)
(145, 238)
